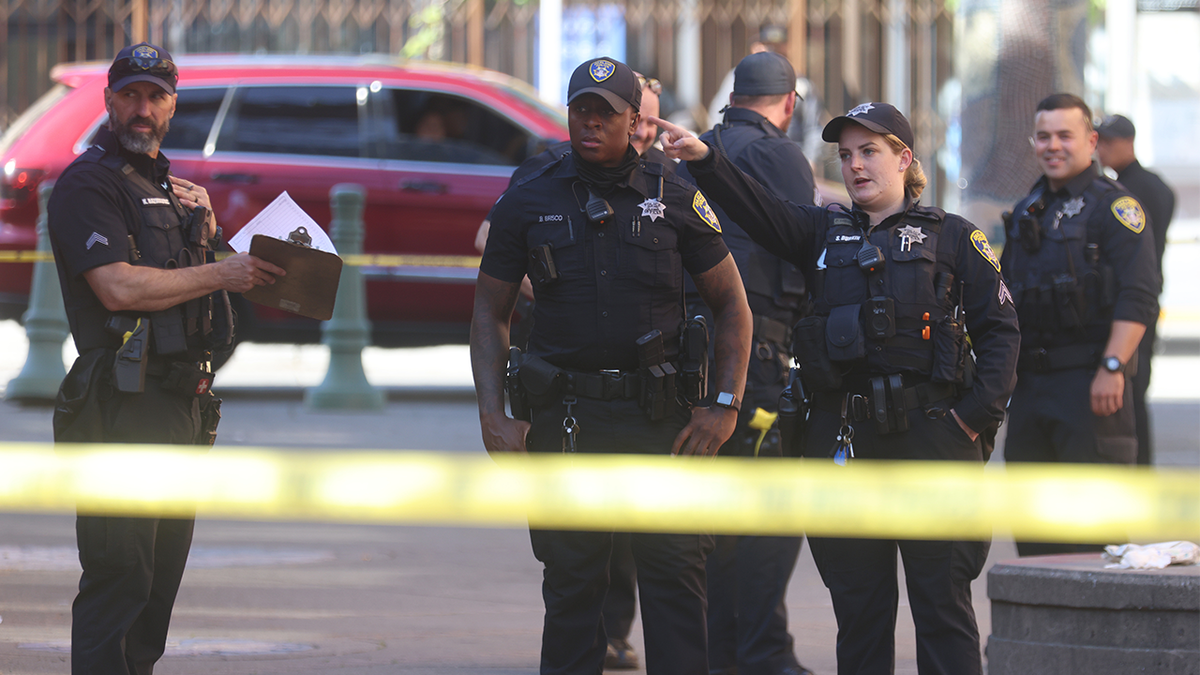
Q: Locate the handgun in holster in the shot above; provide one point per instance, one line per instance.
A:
(210, 419)
(657, 397)
(793, 416)
(693, 360)
(129, 366)
(518, 402)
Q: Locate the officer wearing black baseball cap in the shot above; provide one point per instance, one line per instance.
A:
(882, 118)
(748, 576)
(885, 366)
(143, 62)
(123, 229)
(604, 236)
(611, 79)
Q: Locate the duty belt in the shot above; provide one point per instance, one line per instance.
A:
(859, 408)
(1039, 360)
(604, 386)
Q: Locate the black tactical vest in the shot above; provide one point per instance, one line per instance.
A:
(900, 317)
(1061, 288)
(185, 330)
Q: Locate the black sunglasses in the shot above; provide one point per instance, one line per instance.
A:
(654, 85)
(153, 65)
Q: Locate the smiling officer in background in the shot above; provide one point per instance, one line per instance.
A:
(1082, 273)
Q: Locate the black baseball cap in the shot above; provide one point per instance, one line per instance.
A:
(143, 62)
(882, 118)
(1116, 126)
(763, 74)
(609, 78)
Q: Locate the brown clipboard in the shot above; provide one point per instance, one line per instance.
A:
(310, 286)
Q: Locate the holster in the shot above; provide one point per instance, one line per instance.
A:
(793, 416)
(518, 404)
(210, 419)
(541, 381)
(78, 417)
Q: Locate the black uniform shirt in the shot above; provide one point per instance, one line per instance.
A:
(1113, 220)
(763, 151)
(91, 216)
(797, 233)
(1155, 197)
(618, 281)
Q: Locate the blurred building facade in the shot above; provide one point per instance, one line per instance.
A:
(967, 72)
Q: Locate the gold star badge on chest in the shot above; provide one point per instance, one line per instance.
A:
(909, 235)
(653, 208)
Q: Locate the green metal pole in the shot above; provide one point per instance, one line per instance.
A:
(348, 332)
(45, 325)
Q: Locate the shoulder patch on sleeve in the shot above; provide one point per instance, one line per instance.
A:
(1129, 212)
(700, 205)
(979, 240)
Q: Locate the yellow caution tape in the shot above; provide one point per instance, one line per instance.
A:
(26, 256)
(1083, 503)
(363, 260)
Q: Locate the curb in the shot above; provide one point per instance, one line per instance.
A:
(460, 393)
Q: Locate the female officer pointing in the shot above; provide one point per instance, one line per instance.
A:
(887, 366)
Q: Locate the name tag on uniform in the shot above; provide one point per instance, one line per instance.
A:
(155, 201)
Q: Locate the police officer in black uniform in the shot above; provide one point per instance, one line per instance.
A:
(1115, 150)
(886, 366)
(748, 575)
(1082, 272)
(132, 244)
(620, 607)
(606, 237)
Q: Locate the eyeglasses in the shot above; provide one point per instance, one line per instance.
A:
(652, 83)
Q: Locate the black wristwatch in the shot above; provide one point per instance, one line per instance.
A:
(214, 242)
(728, 400)
(1113, 365)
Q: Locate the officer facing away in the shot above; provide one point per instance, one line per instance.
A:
(605, 237)
(748, 575)
(1115, 150)
(1082, 273)
(146, 308)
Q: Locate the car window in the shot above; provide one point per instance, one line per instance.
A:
(195, 112)
(435, 127)
(305, 120)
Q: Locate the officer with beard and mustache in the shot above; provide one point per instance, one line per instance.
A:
(147, 306)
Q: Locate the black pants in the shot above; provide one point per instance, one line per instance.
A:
(1141, 383)
(1050, 419)
(132, 567)
(620, 606)
(748, 575)
(670, 567)
(747, 613)
(861, 573)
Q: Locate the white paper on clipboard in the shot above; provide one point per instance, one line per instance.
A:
(279, 219)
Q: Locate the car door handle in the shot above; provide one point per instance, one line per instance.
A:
(429, 187)
(242, 178)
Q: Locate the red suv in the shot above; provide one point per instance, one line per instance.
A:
(433, 144)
